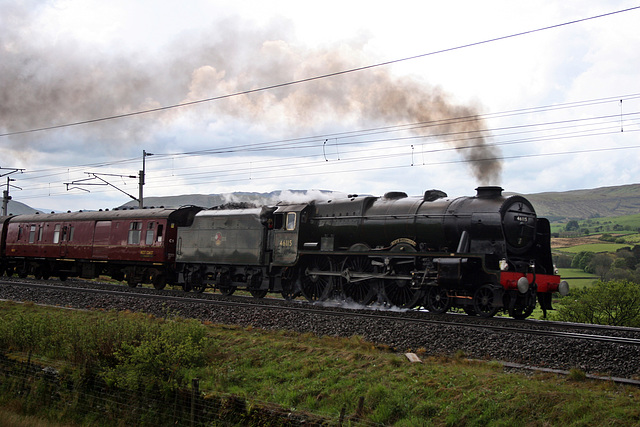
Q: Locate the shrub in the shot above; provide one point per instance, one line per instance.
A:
(615, 303)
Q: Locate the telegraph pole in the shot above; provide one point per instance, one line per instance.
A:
(5, 198)
(141, 184)
(5, 193)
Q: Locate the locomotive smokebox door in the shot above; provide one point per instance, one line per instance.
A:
(288, 221)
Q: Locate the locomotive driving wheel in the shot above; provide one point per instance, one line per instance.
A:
(290, 289)
(315, 286)
(483, 301)
(360, 290)
(437, 300)
(400, 292)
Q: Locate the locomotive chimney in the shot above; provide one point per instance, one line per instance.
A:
(489, 192)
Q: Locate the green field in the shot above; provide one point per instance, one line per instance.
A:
(593, 247)
(603, 225)
(577, 279)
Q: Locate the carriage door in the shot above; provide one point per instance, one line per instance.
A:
(285, 234)
(60, 234)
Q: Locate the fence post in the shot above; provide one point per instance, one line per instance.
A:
(360, 407)
(195, 392)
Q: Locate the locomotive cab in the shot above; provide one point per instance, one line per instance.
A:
(289, 221)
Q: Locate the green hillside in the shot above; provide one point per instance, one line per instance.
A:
(591, 203)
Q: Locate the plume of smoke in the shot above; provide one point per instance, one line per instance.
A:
(47, 83)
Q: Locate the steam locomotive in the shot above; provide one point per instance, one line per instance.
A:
(481, 254)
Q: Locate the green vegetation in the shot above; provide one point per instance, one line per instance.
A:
(594, 247)
(614, 261)
(319, 375)
(577, 278)
(615, 302)
(628, 224)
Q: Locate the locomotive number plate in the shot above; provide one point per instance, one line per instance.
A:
(285, 243)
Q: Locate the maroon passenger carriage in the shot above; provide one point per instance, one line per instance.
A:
(134, 245)
(3, 221)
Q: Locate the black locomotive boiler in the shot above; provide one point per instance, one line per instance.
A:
(482, 254)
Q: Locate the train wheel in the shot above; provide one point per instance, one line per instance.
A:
(9, 271)
(522, 311)
(227, 290)
(159, 281)
(195, 281)
(317, 287)
(199, 287)
(360, 290)
(290, 294)
(186, 286)
(437, 300)
(258, 293)
(290, 289)
(132, 282)
(400, 294)
(483, 301)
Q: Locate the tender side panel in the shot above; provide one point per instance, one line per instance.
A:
(223, 237)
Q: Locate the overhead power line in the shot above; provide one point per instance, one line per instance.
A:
(313, 78)
(355, 138)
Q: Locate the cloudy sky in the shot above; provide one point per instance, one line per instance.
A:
(359, 97)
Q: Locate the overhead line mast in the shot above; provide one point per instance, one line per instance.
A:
(5, 193)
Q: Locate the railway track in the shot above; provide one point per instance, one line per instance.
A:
(542, 344)
(532, 327)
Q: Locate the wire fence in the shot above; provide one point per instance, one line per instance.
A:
(77, 396)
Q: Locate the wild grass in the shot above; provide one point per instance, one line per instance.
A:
(320, 375)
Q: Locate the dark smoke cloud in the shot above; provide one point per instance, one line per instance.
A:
(50, 82)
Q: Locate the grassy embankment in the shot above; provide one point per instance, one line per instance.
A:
(319, 375)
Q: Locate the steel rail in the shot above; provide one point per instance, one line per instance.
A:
(344, 313)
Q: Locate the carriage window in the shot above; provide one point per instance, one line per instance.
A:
(56, 234)
(160, 233)
(291, 221)
(135, 229)
(64, 234)
(71, 230)
(32, 234)
(40, 234)
(149, 238)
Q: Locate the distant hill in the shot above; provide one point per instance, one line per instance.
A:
(584, 204)
(557, 206)
(210, 200)
(17, 208)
